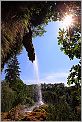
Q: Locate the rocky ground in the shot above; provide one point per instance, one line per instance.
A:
(18, 114)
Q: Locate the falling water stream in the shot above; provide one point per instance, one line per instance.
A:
(36, 71)
(38, 86)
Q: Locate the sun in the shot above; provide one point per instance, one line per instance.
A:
(67, 21)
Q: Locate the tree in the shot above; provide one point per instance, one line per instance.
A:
(70, 42)
(19, 17)
(64, 103)
(18, 93)
(8, 97)
(75, 75)
(72, 48)
(12, 71)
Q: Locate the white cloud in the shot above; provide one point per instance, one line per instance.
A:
(58, 77)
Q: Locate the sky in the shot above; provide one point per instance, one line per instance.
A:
(53, 65)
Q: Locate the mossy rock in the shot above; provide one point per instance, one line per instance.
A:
(35, 116)
(16, 113)
(44, 106)
(39, 110)
(4, 115)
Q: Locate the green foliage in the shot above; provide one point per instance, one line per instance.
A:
(19, 93)
(59, 112)
(8, 97)
(12, 71)
(11, 42)
(62, 105)
(75, 75)
(70, 43)
(29, 101)
(38, 31)
(52, 93)
(65, 106)
(16, 16)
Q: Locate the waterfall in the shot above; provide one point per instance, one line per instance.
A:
(38, 86)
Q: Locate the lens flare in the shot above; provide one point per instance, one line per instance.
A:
(67, 21)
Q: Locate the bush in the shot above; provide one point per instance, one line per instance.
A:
(7, 98)
(59, 112)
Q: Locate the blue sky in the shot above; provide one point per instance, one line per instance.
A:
(53, 64)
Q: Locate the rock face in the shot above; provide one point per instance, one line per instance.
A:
(35, 116)
(15, 113)
(4, 116)
(18, 114)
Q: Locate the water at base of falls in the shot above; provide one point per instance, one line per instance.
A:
(30, 109)
(37, 104)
